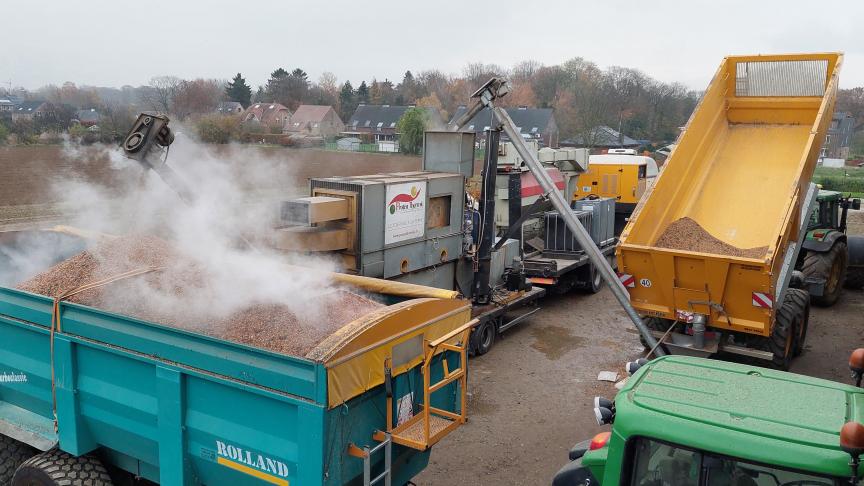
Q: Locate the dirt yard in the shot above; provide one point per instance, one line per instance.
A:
(531, 394)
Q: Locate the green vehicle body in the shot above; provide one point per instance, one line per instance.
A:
(744, 412)
(825, 224)
(829, 258)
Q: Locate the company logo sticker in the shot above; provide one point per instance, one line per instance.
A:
(13, 377)
(405, 201)
(405, 213)
(254, 464)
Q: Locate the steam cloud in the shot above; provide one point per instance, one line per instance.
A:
(235, 195)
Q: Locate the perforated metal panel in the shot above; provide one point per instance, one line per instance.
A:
(781, 78)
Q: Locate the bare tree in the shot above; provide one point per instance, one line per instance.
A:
(523, 71)
(159, 96)
(196, 97)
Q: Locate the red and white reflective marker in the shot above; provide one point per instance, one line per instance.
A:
(627, 280)
(765, 301)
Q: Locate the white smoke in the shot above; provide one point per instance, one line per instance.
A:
(236, 193)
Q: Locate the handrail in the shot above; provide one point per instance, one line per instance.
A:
(427, 437)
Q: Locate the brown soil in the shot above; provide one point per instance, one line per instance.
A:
(271, 326)
(686, 234)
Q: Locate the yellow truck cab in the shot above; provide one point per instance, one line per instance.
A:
(619, 174)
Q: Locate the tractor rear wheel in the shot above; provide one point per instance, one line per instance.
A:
(830, 266)
(789, 320)
(854, 278)
(12, 454)
(56, 468)
(855, 268)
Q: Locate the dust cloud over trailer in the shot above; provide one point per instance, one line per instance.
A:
(712, 246)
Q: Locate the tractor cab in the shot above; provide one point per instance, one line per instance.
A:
(831, 211)
(683, 420)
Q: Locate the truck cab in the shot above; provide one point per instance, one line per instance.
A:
(691, 421)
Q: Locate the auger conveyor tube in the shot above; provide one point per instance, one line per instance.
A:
(560, 204)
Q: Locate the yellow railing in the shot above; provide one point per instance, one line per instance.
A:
(433, 424)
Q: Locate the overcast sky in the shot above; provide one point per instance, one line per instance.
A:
(115, 42)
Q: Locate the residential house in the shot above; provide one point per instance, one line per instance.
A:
(839, 136)
(271, 115)
(88, 118)
(602, 137)
(379, 121)
(534, 123)
(7, 106)
(31, 110)
(315, 121)
(229, 108)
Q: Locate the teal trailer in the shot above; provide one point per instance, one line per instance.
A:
(135, 400)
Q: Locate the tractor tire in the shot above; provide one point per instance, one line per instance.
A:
(57, 468)
(854, 278)
(802, 300)
(831, 266)
(790, 317)
(12, 454)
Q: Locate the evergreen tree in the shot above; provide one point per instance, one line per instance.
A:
(363, 93)
(300, 74)
(346, 101)
(260, 95)
(407, 90)
(276, 86)
(237, 90)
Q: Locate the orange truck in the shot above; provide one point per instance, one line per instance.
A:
(708, 254)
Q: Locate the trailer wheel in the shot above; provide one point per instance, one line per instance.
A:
(790, 317)
(484, 337)
(590, 278)
(12, 454)
(596, 280)
(831, 266)
(802, 300)
(57, 468)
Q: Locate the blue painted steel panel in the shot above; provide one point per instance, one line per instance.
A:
(180, 408)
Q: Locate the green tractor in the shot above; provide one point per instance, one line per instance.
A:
(829, 258)
(687, 421)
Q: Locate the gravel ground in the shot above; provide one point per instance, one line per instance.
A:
(531, 394)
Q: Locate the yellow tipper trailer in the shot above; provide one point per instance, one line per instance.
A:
(741, 171)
